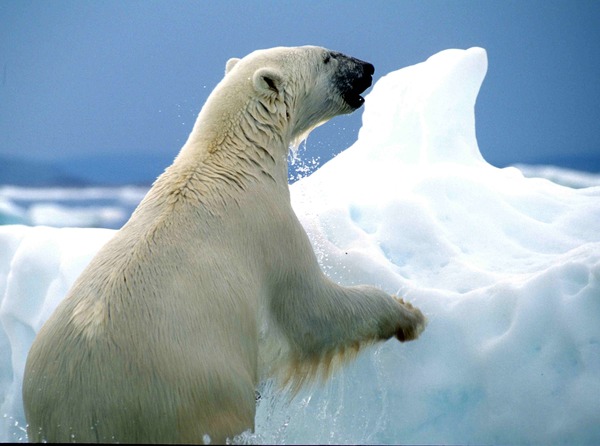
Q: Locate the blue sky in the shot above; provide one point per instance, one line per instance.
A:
(127, 78)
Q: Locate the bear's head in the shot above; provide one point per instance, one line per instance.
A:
(300, 88)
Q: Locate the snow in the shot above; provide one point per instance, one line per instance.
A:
(506, 267)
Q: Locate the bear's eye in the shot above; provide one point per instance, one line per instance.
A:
(326, 58)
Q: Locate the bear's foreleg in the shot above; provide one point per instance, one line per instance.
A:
(327, 324)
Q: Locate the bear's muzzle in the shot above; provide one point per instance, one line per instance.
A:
(354, 77)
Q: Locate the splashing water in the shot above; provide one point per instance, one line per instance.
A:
(299, 166)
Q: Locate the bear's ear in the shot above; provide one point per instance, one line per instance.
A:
(268, 80)
(230, 64)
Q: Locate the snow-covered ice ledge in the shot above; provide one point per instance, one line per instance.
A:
(507, 269)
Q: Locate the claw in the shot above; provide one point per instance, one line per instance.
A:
(414, 329)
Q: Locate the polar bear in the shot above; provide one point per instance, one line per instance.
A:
(212, 285)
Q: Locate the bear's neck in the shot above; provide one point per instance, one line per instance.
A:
(242, 145)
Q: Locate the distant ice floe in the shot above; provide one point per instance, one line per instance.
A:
(101, 207)
(565, 177)
(507, 269)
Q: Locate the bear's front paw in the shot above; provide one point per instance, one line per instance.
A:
(413, 322)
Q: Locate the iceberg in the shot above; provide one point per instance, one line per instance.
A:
(506, 267)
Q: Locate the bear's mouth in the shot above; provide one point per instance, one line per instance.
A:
(353, 99)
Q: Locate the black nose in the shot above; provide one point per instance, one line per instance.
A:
(364, 81)
(368, 68)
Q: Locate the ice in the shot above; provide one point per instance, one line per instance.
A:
(506, 267)
(561, 175)
(101, 207)
(10, 214)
